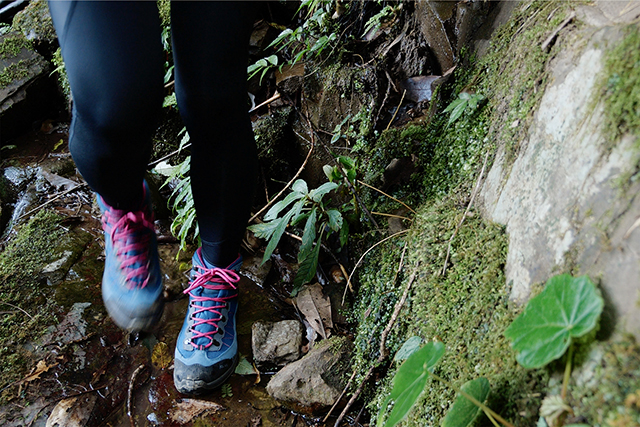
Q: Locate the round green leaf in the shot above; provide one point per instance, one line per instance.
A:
(410, 380)
(567, 308)
(409, 347)
(463, 411)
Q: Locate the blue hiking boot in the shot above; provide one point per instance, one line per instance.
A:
(207, 350)
(131, 283)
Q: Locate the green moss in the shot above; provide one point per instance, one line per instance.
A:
(608, 392)
(164, 7)
(21, 286)
(16, 71)
(63, 80)
(467, 309)
(12, 45)
(621, 86)
(35, 19)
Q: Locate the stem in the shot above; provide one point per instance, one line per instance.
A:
(475, 401)
(567, 373)
(493, 421)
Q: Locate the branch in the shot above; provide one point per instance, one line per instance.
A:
(365, 254)
(384, 352)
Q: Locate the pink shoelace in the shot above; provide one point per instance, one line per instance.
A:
(225, 280)
(130, 251)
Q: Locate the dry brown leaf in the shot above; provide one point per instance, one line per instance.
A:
(161, 357)
(185, 410)
(316, 308)
(40, 368)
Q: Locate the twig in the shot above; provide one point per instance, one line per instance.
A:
(268, 101)
(391, 215)
(48, 202)
(545, 45)
(401, 263)
(340, 397)
(383, 348)
(277, 196)
(365, 254)
(385, 194)
(130, 394)
(397, 109)
(15, 306)
(155, 162)
(473, 196)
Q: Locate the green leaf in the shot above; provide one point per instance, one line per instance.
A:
(464, 95)
(347, 162)
(410, 380)
(567, 308)
(297, 211)
(300, 186)
(344, 233)
(318, 193)
(308, 236)
(328, 171)
(282, 204)
(463, 411)
(453, 105)
(457, 111)
(336, 136)
(307, 268)
(409, 347)
(264, 230)
(245, 367)
(275, 237)
(335, 219)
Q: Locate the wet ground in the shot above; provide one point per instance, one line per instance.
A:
(86, 370)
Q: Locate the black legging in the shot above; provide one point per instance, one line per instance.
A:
(114, 61)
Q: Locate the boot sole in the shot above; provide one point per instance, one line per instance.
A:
(196, 387)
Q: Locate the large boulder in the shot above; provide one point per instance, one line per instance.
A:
(317, 379)
(34, 22)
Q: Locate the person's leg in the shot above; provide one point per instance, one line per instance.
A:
(113, 58)
(210, 45)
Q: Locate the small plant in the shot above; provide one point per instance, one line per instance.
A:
(568, 308)
(412, 377)
(466, 102)
(264, 65)
(320, 220)
(374, 23)
(226, 390)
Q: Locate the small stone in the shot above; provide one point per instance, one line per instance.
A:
(277, 342)
(316, 380)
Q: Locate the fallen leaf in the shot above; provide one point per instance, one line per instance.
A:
(72, 412)
(40, 368)
(185, 410)
(316, 308)
(552, 408)
(161, 357)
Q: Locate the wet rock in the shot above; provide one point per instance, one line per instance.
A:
(331, 94)
(25, 90)
(253, 268)
(34, 22)
(73, 328)
(72, 412)
(277, 342)
(316, 379)
(419, 88)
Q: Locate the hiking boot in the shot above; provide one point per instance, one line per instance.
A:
(207, 350)
(131, 283)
